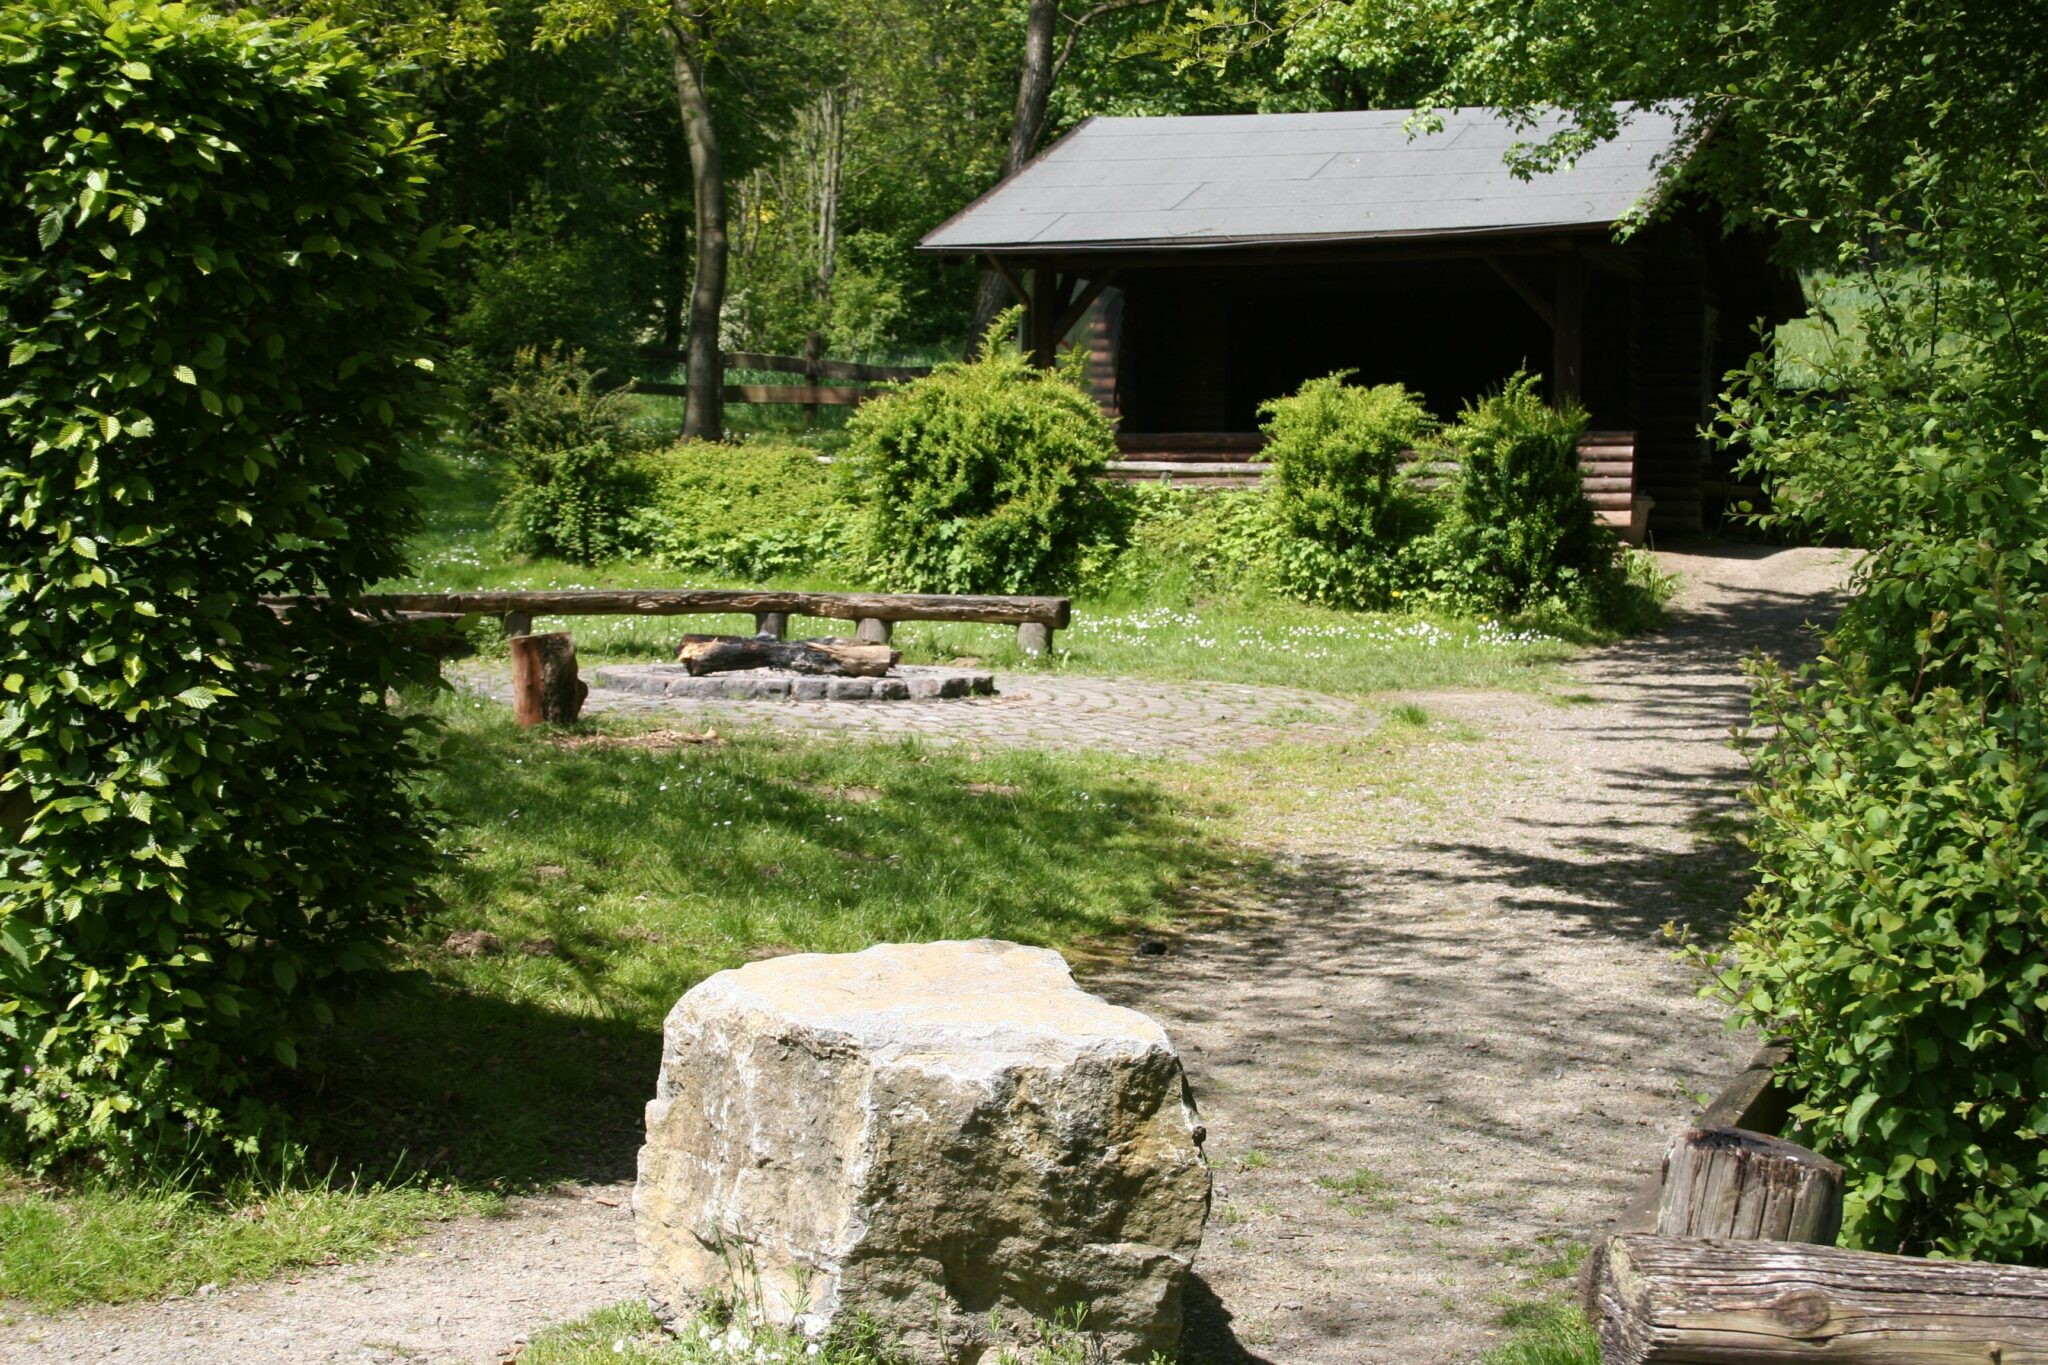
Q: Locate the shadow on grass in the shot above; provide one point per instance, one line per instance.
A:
(614, 872)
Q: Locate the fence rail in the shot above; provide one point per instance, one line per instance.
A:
(810, 394)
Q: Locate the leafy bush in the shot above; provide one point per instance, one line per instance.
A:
(570, 445)
(982, 476)
(1899, 932)
(210, 299)
(1336, 451)
(750, 512)
(1523, 532)
(1185, 544)
(536, 283)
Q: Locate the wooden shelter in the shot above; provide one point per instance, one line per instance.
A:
(1214, 262)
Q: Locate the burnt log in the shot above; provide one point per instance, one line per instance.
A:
(703, 654)
(545, 688)
(1714, 1302)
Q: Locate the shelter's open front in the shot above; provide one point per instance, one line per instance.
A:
(1212, 263)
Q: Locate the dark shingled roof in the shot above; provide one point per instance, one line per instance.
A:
(1221, 180)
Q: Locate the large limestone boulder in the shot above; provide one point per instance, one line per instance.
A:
(924, 1136)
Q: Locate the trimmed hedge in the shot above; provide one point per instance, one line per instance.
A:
(212, 274)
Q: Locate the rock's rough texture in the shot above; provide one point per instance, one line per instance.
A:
(919, 1135)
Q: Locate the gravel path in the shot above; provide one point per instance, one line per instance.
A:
(1416, 1059)
(1424, 1058)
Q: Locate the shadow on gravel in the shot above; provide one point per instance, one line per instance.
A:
(1206, 1337)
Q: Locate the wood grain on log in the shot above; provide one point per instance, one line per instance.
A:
(545, 687)
(1758, 1303)
(1056, 612)
(1730, 1182)
(703, 654)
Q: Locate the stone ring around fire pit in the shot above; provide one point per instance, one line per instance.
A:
(903, 682)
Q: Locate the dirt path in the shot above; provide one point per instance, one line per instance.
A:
(1416, 1060)
(1426, 1058)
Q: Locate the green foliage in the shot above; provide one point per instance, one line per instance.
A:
(748, 512)
(569, 443)
(1336, 450)
(535, 283)
(1187, 544)
(981, 477)
(1524, 532)
(210, 827)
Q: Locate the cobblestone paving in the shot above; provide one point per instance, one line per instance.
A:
(1029, 710)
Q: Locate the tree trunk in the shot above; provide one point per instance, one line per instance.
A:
(1754, 1303)
(545, 688)
(1027, 121)
(704, 417)
(703, 654)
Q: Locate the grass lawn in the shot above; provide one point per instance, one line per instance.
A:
(1263, 641)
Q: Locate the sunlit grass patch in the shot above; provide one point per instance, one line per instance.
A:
(107, 1245)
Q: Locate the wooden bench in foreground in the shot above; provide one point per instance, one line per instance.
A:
(1036, 618)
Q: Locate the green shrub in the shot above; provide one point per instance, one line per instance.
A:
(1185, 544)
(1897, 939)
(570, 446)
(747, 511)
(1523, 532)
(536, 282)
(211, 281)
(1899, 932)
(1336, 452)
(982, 476)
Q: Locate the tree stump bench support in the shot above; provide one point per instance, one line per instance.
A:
(545, 688)
(1035, 639)
(772, 624)
(873, 630)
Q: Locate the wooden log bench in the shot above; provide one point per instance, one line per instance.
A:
(875, 614)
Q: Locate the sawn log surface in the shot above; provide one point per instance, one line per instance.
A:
(1713, 1302)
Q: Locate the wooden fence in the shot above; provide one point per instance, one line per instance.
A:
(813, 367)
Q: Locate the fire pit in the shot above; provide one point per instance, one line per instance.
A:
(903, 682)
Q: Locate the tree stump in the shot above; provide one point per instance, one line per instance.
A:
(1754, 1303)
(872, 630)
(1729, 1182)
(545, 688)
(773, 624)
(1035, 639)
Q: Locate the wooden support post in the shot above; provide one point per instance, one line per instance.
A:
(1706, 1302)
(773, 624)
(872, 630)
(814, 353)
(1567, 351)
(1729, 1182)
(1048, 301)
(545, 688)
(1035, 639)
(518, 623)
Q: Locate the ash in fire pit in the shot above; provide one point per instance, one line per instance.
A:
(903, 682)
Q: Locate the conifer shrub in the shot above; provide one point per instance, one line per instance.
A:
(1522, 533)
(212, 267)
(981, 477)
(569, 447)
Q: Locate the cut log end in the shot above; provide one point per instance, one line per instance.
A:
(1730, 1182)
